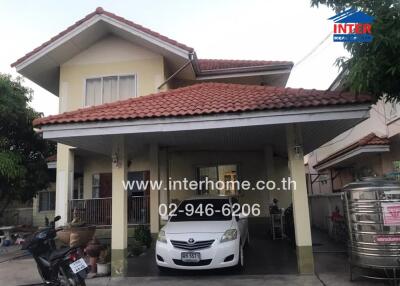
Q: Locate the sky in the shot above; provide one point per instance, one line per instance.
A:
(236, 29)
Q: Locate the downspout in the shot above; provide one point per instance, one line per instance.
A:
(178, 71)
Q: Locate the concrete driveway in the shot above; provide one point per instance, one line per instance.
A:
(23, 271)
(330, 264)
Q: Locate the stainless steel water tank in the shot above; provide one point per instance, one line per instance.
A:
(372, 210)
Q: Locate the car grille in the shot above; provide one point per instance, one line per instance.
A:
(200, 263)
(192, 246)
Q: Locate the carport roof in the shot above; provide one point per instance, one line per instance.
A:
(207, 99)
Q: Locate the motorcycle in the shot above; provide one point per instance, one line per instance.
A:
(63, 266)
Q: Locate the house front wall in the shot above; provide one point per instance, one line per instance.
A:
(108, 57)
(251, 167)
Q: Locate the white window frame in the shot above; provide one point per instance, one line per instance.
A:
(101, 77)
(48, 201)
(80, 190)
(96, 186)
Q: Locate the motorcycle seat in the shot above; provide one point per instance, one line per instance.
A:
(58, 253)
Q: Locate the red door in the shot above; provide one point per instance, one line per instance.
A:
(105, 185)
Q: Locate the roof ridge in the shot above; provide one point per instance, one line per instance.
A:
(101, 11)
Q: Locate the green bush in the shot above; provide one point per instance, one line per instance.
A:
(142, 235)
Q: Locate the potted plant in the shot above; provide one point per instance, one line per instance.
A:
(77, 232)
(143, 236)
(104, 262)
(93, 250)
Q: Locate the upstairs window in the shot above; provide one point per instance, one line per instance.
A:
(108, 89)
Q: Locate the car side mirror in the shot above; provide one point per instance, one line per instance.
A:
(242, 216)
(57, 218)
(164, 218)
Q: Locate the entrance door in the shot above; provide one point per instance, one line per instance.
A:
(139, 198)
(105, 185)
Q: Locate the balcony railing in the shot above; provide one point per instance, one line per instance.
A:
(98, 211)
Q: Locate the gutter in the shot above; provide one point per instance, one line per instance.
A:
(245, 69)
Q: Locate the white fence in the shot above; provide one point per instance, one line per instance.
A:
(17, 216)
(321, 208)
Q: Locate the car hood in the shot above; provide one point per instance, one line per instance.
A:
(197, 227)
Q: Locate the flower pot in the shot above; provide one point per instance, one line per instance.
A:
(82, 235)
(103, 269)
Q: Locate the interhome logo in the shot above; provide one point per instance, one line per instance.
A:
(352, 26)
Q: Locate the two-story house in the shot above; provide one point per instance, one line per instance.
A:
(137, 105)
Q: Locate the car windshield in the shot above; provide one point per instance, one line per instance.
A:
(203, 210)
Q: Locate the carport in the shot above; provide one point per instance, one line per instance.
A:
(264, 256)
(264, 131)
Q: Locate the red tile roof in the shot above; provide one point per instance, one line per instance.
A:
(101, 11)
(370, 139)
(219, 64)
(204, 64)
(206, 98)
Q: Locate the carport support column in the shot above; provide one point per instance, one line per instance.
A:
(163, 175)
(154, 193)
(65, 181)
(305, 260)
(119, 227)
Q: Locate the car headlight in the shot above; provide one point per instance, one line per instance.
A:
(230, 234)
(161, 236)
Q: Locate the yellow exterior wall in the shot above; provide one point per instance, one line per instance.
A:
(109, 56)
(102, 164)
(93, 165)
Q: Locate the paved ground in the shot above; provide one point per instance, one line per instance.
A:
(23, 272)
(277, 257)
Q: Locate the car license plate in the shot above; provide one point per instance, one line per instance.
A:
(78, 265)
(190, 256)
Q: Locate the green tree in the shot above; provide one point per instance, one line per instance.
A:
(23, 152)
(373, 67)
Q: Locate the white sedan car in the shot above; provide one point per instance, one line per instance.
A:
(203, 233)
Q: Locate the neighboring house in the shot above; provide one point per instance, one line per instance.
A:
(371, 148)
(44, 202)
(137, 105)
(35, 211)
(17, 213)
